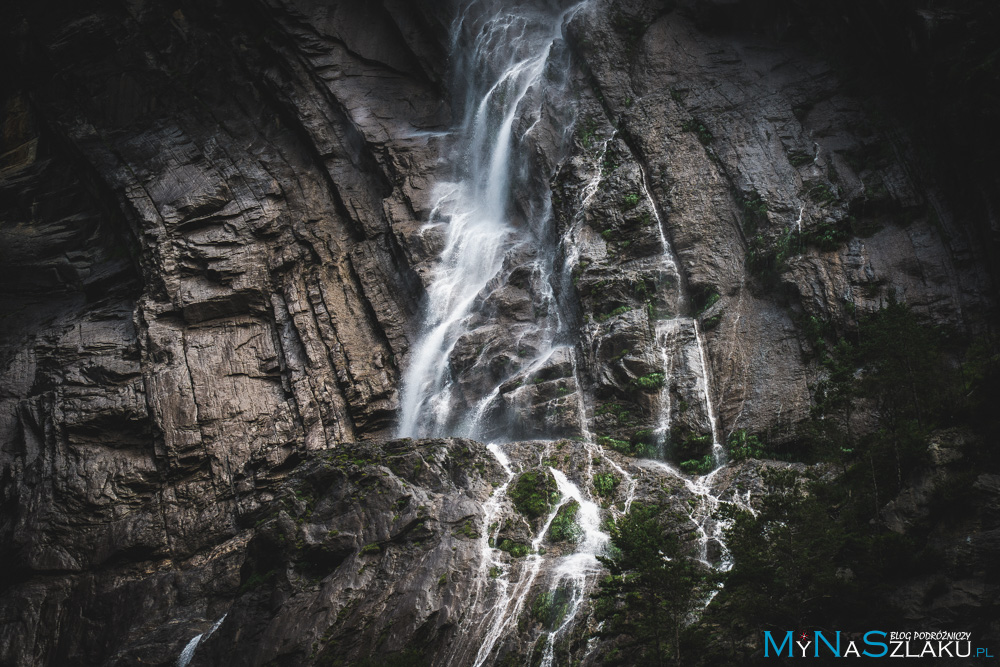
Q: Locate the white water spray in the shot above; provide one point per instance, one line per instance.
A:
(187, 655)
(476, 206)
(579, 569)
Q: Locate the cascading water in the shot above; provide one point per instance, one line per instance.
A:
(579, 569)
(510, 50)
(703, 513)
(495, 216)
(187, 655)
(509, 56)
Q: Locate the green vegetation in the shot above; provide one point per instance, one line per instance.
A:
(551, 607)
(372, 548)
(706, 300)
(633, 447)
(820, 192)
(614, 443)
(685, 445)
(839, 562)
(630, 200)
(710, 323)
(534, 494)
(651, 382)
(799, 158)
(754, 212)
(564, 527)
(620, 412)
(467, 530)
(704, 134)
(613, 313)
(515, 549)
(643, 289)
(585, 132)
(768, 257)
(818, 554)
(701, 466)
(826, 235)
(255, 580)
(408, 658)
(605, 484)
(741, 446)
(650, 591)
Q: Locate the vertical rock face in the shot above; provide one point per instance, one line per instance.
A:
(218, 227)
(200, 281)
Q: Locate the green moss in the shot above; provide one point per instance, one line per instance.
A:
(711, 322)
(754, 212)
(550, 608)
(799, 158)
(467, 530)
(685, 444)
(826, 235)
(515, 549)
(614, 443)
(585, 131)
(407, 658)
(256, 580)
(534, 493)
(372, 548)
(705, 299)
(631, 448)
(820, 192)
(564, 527)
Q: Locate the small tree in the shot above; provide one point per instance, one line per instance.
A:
(650, 592)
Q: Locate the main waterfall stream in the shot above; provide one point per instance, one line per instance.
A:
(502, 75)
(494, 220)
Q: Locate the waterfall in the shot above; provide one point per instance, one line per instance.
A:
(508, 59)
(705, 388)
(581, 567)
(494, 214)
(187, 655)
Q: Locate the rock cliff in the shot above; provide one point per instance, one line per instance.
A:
(219, 226)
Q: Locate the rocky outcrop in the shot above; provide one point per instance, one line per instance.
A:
(200, 284)
(213, 251)
(781, 197)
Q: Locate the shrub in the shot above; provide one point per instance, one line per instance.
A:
(651, 382)
(741, 446)
(605, 484)
(701, 466)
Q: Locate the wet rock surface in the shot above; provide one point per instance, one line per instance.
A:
(215, 249)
